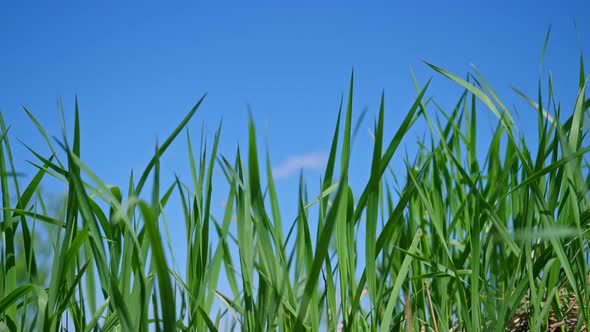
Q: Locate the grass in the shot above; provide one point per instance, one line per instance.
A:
(455, 242)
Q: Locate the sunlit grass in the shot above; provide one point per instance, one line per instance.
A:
(455, 242)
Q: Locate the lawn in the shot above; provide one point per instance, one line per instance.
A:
(454, 242)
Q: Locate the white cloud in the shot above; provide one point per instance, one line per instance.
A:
(297, 162)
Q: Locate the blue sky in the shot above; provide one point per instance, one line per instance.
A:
(137, 70)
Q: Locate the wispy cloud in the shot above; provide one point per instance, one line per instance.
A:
(297, 162)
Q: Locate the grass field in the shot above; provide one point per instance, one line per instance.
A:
(456, 242)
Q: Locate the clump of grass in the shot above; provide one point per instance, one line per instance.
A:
(461, 243)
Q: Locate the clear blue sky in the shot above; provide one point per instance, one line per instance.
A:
(138, 68)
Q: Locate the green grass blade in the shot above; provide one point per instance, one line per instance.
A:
(399, 280)
(166, 144)
(164, 283)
